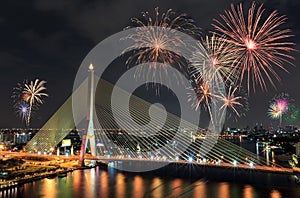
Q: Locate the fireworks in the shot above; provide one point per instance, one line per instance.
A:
(203, 93)
(18, 95)
(158, 42)
(218, 60)
(215, 67)
(278, 106)
(235, 102)
(18, 98)
(281, 104)
(291, 115)
(258, 45)
(168, 20)
(34, 94)
(274, 112)
(26, 97)
(23, 111)
(212, 67)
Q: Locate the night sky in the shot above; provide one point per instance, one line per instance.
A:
(48, 40)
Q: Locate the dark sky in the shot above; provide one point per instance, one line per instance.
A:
(48, 39)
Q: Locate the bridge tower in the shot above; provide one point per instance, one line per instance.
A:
(89, 134)
(90, 138)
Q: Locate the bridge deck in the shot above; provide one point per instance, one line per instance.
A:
(106, 159)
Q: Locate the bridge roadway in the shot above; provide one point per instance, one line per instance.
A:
(105, 159)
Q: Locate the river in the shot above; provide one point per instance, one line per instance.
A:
(97, 182)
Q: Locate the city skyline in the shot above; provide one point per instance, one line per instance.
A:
(49, 41)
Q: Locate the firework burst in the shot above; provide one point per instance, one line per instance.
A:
(18, 95)
(235, 102)
(291, 115)
(213, 59)
(34, 93)
(274, 112)
(203, 94)
(23, 111)
(18, 98)
(259, 44)
(278, 106)
(153, 32)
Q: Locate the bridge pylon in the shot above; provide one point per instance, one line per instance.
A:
(89, 134)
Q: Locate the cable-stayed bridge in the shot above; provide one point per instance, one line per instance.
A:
(160, 136)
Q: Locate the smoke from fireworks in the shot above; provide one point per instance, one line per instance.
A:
(259, 44)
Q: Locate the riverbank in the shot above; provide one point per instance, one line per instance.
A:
(32, 171)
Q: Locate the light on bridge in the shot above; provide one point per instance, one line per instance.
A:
(251, 164)
(190, 159)
(234, 163)
(176, 158)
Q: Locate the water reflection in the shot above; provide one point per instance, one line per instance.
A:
(48, 188)
(275, 194)
(110, 183)
(138, 187)
(157, 187)
(176, 188)
(120, 185)
(77, 175)
(224, 190)
(104, 184)
(199, 189)
(248, 191)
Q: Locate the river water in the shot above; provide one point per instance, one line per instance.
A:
(97, 182)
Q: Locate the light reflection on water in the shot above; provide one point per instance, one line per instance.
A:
(110, 183)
